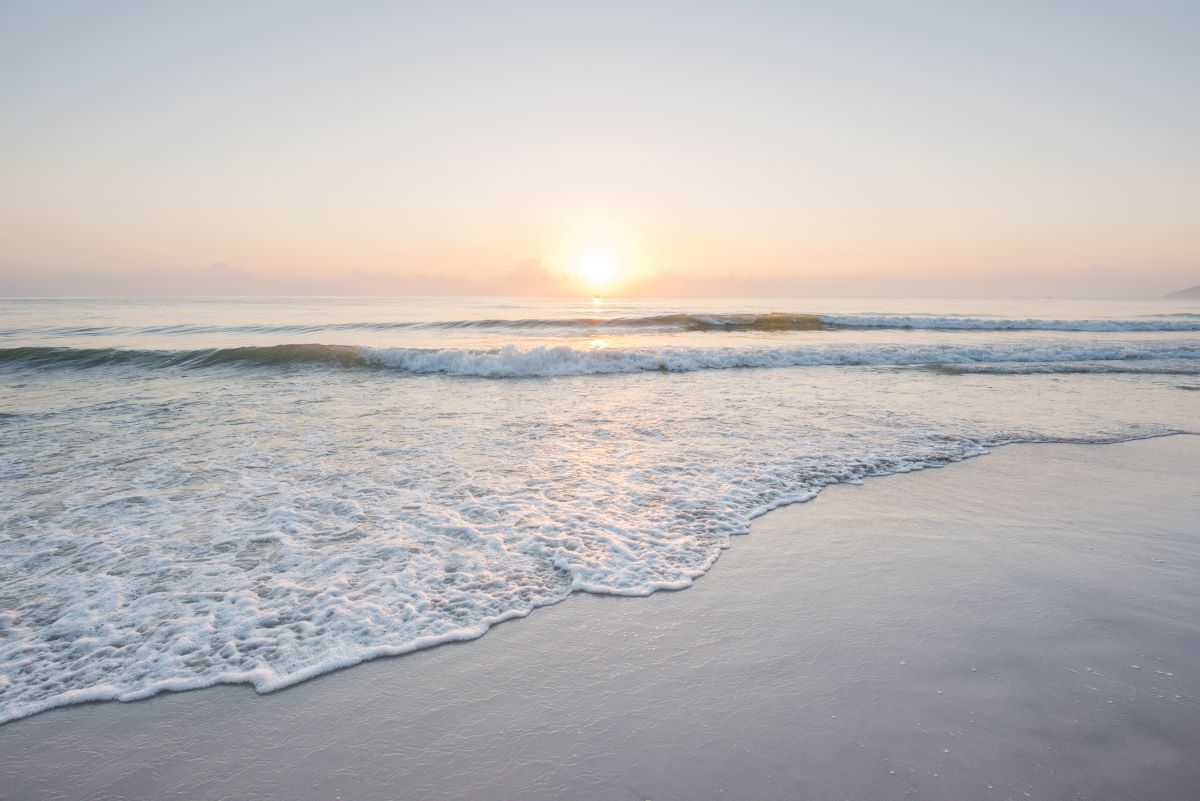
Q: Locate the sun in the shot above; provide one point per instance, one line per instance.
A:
(597, 266)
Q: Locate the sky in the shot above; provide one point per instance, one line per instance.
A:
(541, 148)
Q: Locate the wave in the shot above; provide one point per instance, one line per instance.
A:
(513, 362)
(263, 356)
(1161, 323)
(666, 323)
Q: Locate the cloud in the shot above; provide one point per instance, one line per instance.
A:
(527, 274)
(531, 276)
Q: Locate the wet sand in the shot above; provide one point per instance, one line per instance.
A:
(1023, 625)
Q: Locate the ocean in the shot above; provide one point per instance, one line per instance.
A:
(203, 491)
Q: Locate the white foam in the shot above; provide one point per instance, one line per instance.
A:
(512, 361)
(279, 573)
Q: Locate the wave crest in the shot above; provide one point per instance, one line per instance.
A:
(664, 323)
(513, 362)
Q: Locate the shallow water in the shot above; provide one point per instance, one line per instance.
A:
(204, 491)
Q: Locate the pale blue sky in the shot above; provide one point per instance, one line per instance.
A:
(378, 148)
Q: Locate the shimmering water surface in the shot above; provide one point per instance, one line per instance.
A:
(249, 490)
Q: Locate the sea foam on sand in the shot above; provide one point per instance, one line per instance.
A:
(1023, 625)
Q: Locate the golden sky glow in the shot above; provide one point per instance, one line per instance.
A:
(885, 149)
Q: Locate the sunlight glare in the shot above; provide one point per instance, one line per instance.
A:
(597, 266)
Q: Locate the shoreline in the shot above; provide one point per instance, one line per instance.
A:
(611, 638)
(264, 683)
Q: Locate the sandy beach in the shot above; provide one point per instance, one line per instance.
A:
(1022, 625)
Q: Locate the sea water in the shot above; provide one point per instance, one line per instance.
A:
(196, 491)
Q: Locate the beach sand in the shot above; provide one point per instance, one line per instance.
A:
(1023, 625)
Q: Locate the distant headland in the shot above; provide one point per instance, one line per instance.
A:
(1191, 293)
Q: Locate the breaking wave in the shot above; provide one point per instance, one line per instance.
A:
(514, 362)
